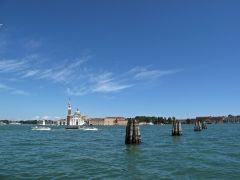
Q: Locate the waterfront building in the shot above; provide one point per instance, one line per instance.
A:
(96, 121)
(232, 119)
(108, 121)
(73, 119)
(62, 122)
(211, 119)
(121, 121)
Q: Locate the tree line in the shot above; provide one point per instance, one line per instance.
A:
(154, 119)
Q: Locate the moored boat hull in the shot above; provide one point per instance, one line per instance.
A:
(72, 127)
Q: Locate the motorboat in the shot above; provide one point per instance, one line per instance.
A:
(15, 123)
(41, 128)
(89, 129)
(145, 123)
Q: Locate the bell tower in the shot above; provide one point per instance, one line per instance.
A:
(69, 115)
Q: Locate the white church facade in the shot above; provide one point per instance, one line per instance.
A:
(73, 119)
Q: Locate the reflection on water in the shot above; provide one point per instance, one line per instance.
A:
(177, 139)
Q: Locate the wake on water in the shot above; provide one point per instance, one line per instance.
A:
(89, 129)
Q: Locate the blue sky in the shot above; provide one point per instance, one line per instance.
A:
(119, 58)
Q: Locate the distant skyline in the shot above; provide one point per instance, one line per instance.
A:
(119, 58)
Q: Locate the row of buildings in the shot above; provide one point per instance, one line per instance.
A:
(77, 118)
(215, 119)
(108, 121)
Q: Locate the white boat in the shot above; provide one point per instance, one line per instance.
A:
(15, 123)
(90, 129)
(41, 128)
(145, 123)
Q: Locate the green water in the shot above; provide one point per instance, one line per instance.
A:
(76, 154)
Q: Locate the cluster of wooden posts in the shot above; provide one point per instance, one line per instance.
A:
(200, 125)
(176, 128)
(133, 135)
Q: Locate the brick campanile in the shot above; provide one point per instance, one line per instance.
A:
(69, 116)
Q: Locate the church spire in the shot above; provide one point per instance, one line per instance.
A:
(69, 102)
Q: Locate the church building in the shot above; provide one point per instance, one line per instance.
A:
(74, 119)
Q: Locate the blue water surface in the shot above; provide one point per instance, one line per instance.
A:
(77, 154)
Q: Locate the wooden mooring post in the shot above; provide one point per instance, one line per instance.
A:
(176, 128)
(198, 126)
(204, 125)
(133, 135)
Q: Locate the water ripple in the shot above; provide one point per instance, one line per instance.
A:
(61, 154)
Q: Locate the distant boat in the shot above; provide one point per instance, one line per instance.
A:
(15, 123)
(89, 129)
(145, 123)
(41, 128)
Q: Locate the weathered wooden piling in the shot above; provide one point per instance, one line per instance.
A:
(198, 126)
(204, 125)
(133, 135)
(176, 128)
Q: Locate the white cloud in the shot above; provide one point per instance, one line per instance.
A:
(28, 67)
(109, 85)
(108, 82)
(141, 73)
(7, 66)
(99, 83)
(78, 91)
(30, 73)
(12, 90)
(79, 79)
(63, 73)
